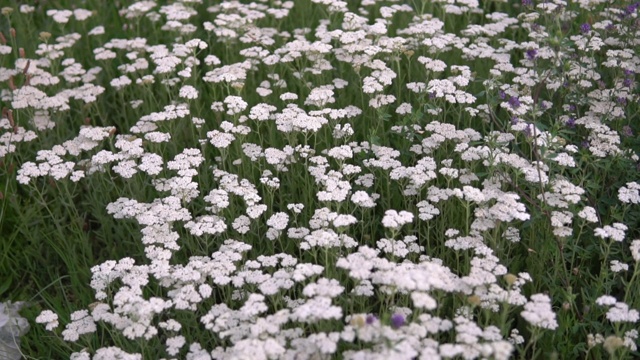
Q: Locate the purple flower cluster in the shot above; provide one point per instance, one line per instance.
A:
(629, 10)
(585, 28)
(514, 102)
(397, 320)
(532, 54)
(628, 78)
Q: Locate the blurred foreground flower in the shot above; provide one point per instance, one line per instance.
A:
(12, 326)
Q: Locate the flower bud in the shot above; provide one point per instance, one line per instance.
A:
(612, 343)
(510, 279)
(474, 300)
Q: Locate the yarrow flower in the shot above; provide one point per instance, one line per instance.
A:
(49, 318)
(616, 232)
(395, 220)
(188, 92)
(538, 312)
(630, 194)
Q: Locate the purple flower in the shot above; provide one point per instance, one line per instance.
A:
(514, 120)
(397, 320)
(532, 54)
(571, 122)
(585, 28)
(371, 319)
(585, 144)
(622, 101)
(631, 8)
(528, 131)
(501, 94)
(514, 102)
(527, 2)
(627, 131)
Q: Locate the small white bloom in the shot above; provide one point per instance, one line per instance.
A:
(49, 318)
(188, 92)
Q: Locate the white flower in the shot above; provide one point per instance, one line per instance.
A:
(206, 224)
(330, 288)
(342, 152)
(404, 108)
(432, 65)
(81, 323)
(362, 199)
(212, 60)
(635, 249)
(320, 96)
(255, 211)
(288, 96)
(395, 220)
(113, 352)
(538, 312)
(381, 100)
(174, 344)
(60, 16)
(126, 168)
(295, 208)
(82, 14)
(423, 300)
(278, 221)
(343, 220)
(235, 105)
(630, 194)
(121, 82)
(589, 214)
(49, 318)
(98, 30)
(262, 112)
(617, 266)
(615, 232)
(220, 140)
(317, 308)
(427, 211)
(188, 92)
(25, 9)
(473, 194)
(620, 313)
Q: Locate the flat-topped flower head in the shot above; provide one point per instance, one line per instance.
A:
(395, 220)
